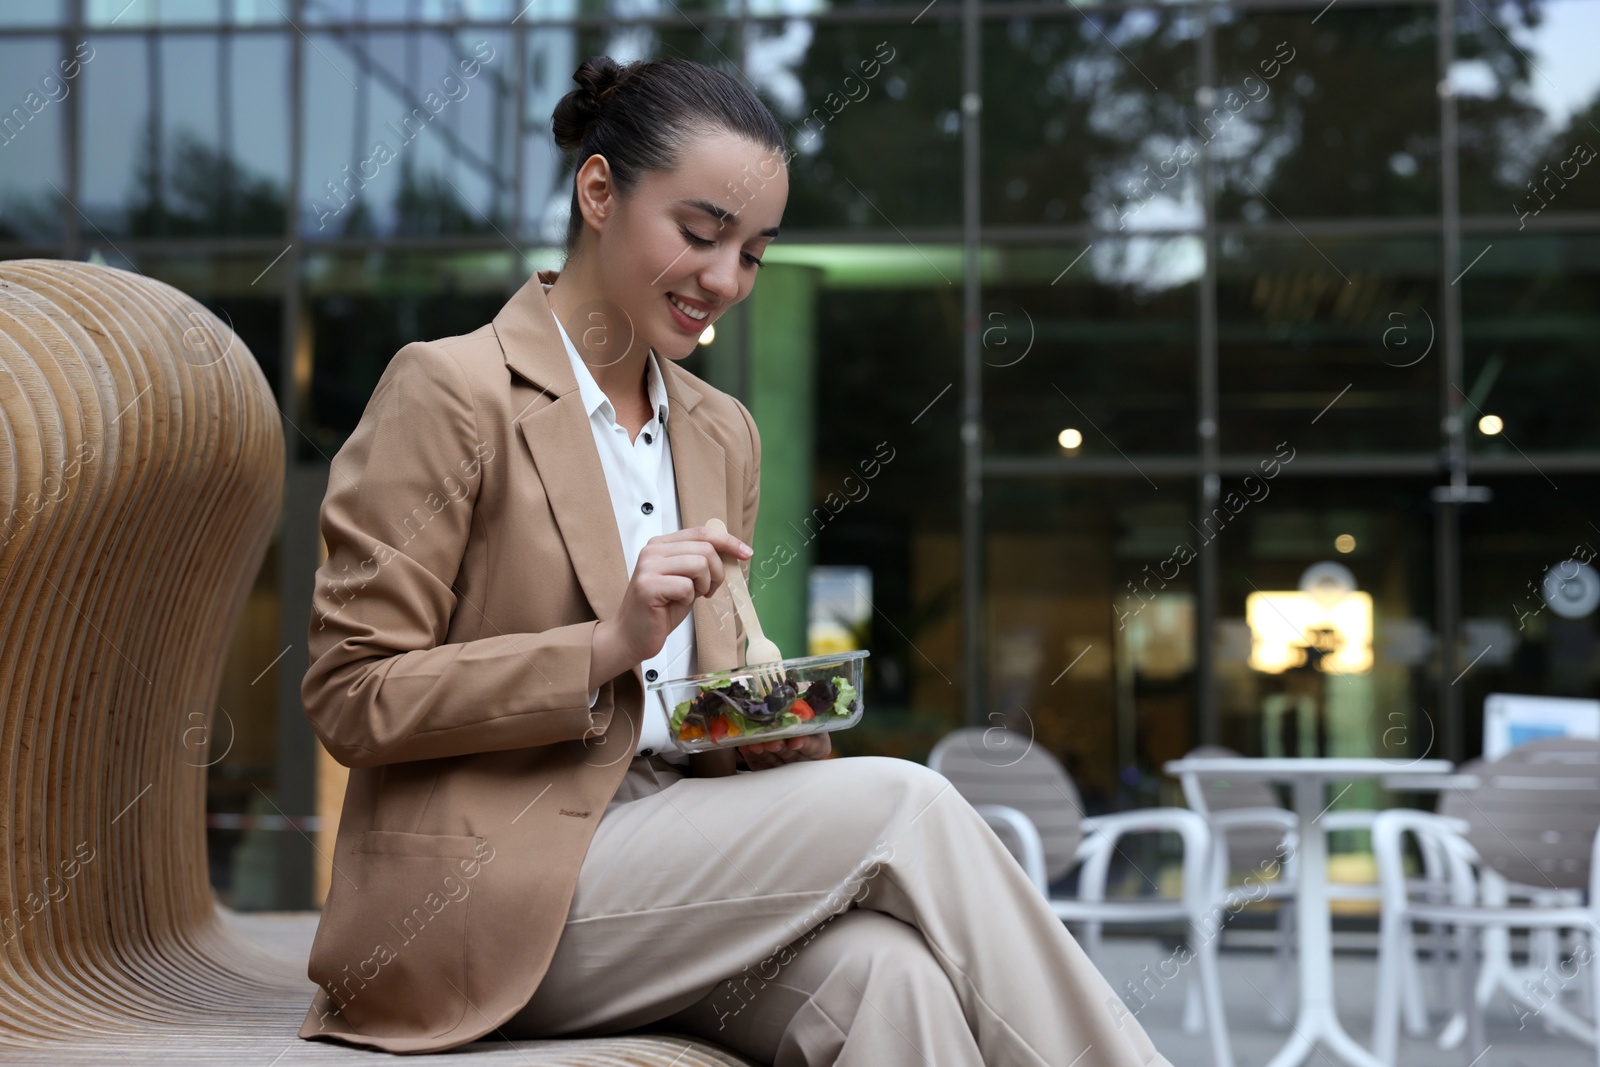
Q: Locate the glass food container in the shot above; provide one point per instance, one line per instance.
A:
(721, 710)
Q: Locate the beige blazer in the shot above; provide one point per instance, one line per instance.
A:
(471, 550)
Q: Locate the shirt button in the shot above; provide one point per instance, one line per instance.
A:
(647, 507)
(650, 675)
(647, 752)
(646, 438)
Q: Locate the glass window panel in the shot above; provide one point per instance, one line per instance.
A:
(873, 119)
(871, 116)
(1328, 343)
(192, 83)
(33, 93)
(34, 13)
(1535, 638)
(186, 11)
(1101, 348)
(888, 353)
(1309, 687)
(1528, 93)
(1530, 314)
(250, 12)
(1337, 115)
(186, 135)
(552, 57)
(255, 129)
(116, 125)
(408, 134)
(1090, 653)
(124, 14)
(365, 309)
(1088, 118)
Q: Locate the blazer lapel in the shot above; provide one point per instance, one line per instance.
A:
(558, 437)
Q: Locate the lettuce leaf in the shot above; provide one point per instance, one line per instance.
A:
(847, 693)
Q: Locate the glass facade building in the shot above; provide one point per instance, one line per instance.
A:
(1093, 329)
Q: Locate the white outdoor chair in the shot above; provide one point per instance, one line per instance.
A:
(1531, 829)
(1027, 796)
(1250, 832)
(1497, 969)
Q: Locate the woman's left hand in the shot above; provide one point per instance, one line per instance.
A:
(764, 754)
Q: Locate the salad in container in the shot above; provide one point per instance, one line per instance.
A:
(728, 708)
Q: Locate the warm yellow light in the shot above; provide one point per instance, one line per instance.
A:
(1284, 625)
(710, 334)
(1344, 543)
(1491, 424)
(1069, 438)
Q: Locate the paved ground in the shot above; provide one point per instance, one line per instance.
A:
(1249, 976)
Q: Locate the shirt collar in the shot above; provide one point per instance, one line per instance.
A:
(595, 399)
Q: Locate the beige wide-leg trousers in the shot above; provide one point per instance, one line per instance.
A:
(853, 911)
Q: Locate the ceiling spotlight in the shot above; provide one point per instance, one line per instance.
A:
(1491, 425)
(1344, 543)
(1069, 438)
(710, 335)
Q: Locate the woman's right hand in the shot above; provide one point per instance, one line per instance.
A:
(671, 571)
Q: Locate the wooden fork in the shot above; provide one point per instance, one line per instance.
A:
(760, 653)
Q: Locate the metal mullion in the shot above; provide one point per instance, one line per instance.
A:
(1353, 465)
(1575, 222)
(290, 265)
(972, 537)
(158, 162)
(295, 765)
(1447, 512)
(1207, 573)
(519, 157)
(1306, 466)
(71, 158)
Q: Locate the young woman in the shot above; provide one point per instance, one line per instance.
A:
(518, 542)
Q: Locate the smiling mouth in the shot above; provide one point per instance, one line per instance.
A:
(689, 311)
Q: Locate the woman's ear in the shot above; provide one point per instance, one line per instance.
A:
(596, 192)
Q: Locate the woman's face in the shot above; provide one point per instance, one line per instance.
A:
(690, 236)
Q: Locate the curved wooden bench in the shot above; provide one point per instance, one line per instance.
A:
(141, 476)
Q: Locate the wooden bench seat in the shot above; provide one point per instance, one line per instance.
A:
(141, 477)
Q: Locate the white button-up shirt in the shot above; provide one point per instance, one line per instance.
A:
(644, 498)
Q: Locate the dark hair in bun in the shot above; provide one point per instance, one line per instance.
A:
(641, 115)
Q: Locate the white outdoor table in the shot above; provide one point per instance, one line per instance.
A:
(1318, 1019)
(1405, 782)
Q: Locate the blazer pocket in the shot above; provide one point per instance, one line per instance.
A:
(390, 949)
(399, 843)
